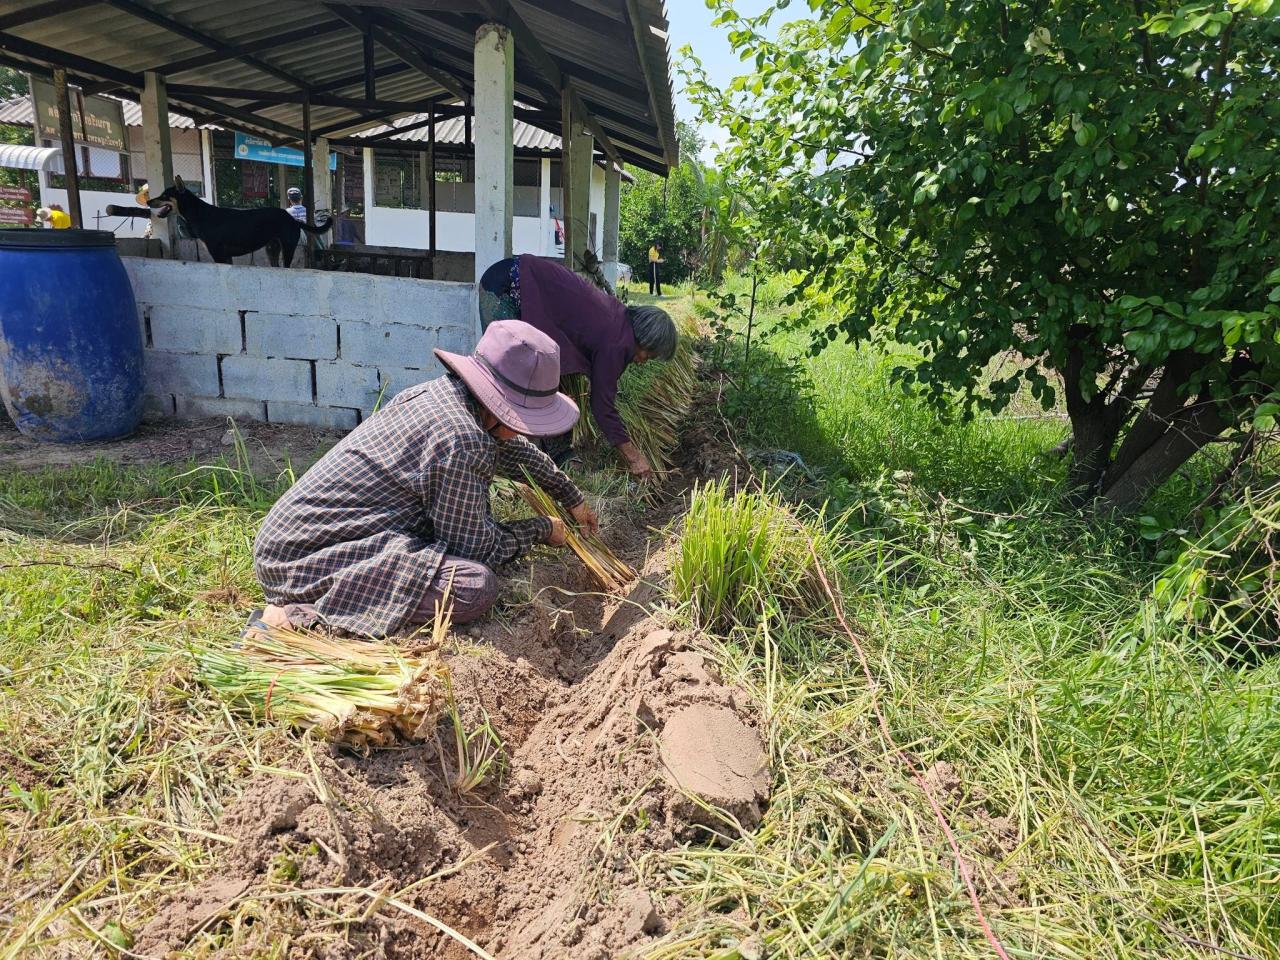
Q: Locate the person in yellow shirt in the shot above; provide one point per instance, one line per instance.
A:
(55, 216)
(655, 258)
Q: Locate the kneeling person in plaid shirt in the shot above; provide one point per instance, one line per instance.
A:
(371, 537)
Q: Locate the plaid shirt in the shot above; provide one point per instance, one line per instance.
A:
(362, 534)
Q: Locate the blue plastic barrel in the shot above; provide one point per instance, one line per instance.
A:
(70, 343)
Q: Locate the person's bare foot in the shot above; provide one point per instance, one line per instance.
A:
(274, 616)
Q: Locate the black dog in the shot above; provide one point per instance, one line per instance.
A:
(233, 233)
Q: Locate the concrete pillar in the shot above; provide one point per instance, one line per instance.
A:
(612, 194)
(322, 185)
(595, 214)
(547, 230)
(367, 169)
(157, 152)
(577, 215)
(206, 162)
(495, 58)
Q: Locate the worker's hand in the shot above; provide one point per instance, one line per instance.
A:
(585, 517)
(637, 465)
(559, 534)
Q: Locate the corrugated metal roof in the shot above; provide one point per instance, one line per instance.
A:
(19, 111)
(19, 157)
(606, 49)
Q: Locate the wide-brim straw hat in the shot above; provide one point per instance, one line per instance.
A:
(515, 374)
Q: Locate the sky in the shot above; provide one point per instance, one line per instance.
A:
(690, 22)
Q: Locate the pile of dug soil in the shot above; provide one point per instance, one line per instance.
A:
(621, 740)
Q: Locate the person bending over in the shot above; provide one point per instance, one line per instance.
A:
(597, 334)
(369, 540)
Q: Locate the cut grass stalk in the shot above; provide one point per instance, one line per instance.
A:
(360, 692)
(609, 571)
(653, 400)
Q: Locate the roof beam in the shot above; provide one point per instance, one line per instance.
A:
(549, 70)
(638, 32)
(41, 11)
(123, 78)
(602, 25)
(405, 51)
(290, 96)
(355, 124)
(330, 86)
(253, 46)
(228, 50)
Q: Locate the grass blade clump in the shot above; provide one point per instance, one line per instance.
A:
(362, 693)
(479, 750)
(742, 558)
(605, 565)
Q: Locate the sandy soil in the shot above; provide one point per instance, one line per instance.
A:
(270, 445)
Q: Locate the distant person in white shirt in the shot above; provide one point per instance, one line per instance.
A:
(296, 208)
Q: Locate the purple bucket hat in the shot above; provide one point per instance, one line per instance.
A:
(515, 373)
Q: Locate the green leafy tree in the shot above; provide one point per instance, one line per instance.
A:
(665, 210)
(1092, 189)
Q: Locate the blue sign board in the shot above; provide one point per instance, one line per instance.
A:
(255, 148)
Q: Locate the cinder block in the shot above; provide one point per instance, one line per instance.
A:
(157, 405)
(184, 373)
(291, 335)
(342, 384)
(182, 329)
(192, 408)
(259, 378)
(395, 379)
(388, 344)
(326, 418)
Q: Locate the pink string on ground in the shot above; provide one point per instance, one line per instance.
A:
(902, 755)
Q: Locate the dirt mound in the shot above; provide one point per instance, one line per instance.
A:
(618, 734)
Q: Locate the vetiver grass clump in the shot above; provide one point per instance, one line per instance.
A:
(742, 555)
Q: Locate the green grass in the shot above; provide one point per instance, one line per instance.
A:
(114, 763)
(1113, 773)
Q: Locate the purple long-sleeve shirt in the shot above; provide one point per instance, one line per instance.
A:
(591, 328)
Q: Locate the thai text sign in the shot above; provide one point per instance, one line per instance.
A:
(95, 121)
(21, 194)
(255, 148)
(15, 215)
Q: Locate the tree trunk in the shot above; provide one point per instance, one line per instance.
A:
(1154, 419)
(1094, 426)
(1190, 429)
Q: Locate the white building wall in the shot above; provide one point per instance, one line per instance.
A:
(188, 162)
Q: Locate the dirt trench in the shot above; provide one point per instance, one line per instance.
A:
(621, 741)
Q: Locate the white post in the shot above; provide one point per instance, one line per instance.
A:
(321, 179)
(367, 170)
(206, 161)
(157, 151)
(546, 245)
(612, 195)
(581, 149)
(596, 207)
(494, 72)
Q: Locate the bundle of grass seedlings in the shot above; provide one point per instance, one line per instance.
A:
(359, 692)
(653, 399)
(607, 568)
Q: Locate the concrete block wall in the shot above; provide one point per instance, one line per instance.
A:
(291, 346)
